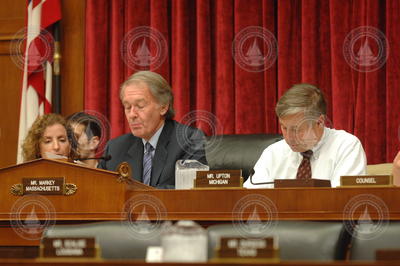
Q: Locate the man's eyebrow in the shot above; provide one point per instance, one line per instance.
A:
(135, 101)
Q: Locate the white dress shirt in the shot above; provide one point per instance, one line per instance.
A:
(337, 153)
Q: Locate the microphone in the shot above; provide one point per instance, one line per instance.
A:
(105, 158)
(252, 172)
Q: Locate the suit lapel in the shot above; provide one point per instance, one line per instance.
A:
(161, 153)
(135, 153)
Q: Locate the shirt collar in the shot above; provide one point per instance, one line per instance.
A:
(316, 149)
(321, 142)
(154, 139)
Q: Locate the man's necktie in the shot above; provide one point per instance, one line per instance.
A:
(304, 171)
(147, 163)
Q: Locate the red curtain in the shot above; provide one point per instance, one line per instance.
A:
(311, 40)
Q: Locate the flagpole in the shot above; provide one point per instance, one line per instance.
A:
(57, 73)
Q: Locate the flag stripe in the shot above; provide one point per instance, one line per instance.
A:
(36, 90)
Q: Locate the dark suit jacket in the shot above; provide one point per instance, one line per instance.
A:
(177, 141)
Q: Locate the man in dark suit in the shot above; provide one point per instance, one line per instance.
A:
(156, 141)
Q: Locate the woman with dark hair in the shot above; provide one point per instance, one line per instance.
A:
(48, 137)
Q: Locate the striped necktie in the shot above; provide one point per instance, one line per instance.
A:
(147, 163)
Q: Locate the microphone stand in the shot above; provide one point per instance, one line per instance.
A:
(258, 183)
(105, 158)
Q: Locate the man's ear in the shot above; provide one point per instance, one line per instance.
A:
(94, 143)
(321, 121)
(164, 109)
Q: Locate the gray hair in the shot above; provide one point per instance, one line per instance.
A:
(158, 86)
(301, 98)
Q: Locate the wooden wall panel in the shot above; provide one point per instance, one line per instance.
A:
(73, 55)
(12, 19)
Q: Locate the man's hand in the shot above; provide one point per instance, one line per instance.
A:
(396, 170)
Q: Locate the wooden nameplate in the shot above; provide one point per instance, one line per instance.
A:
(219, 179)
(281, 183)
(367, 181)
(387, 254)
(247, 250)
(69, 247)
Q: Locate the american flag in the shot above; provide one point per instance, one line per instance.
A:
(37, 80)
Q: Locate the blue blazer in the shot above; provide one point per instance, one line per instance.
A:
(176, 142)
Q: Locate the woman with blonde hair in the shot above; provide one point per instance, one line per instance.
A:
(48, 137)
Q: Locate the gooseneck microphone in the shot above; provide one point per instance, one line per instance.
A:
(258, 183)
(105, 158)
